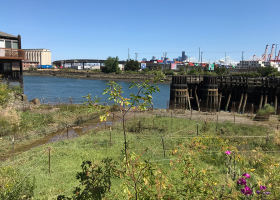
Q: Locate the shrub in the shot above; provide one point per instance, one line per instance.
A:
(4, 94)
(168, 72)
(266, 110)
(14, 185)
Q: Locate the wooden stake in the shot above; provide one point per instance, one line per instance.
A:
(229, 96)
(163, 146)
(234, 118)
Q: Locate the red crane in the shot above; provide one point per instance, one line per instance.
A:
(264, 56)
(270, 56)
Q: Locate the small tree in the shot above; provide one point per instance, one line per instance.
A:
(132, 65)
(111, 65)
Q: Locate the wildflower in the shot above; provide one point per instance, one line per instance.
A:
(267, 193)
(262, 187)
(228, 152)
(276, 165)
(246, 191)
(258, 192)
(252, 170)
(246, 175)
(241, 181)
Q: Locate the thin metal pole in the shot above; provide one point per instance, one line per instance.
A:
(196, 129)
(110, 136)
(163, 146)
(49, 160)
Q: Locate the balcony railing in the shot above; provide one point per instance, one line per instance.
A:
(12, 54)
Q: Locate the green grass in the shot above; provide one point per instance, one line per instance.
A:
(67, 156)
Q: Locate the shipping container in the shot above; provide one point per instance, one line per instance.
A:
(171, 61)
(160, 61)
(44, 66)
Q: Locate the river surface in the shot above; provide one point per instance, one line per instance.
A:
(64, 90)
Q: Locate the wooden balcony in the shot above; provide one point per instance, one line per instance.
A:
(15, 54)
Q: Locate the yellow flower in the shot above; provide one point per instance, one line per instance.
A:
(252, 170)
(204, 171)
(276, 165)
(214, 183)
(269, 185)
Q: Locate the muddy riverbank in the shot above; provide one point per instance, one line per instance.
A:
(94, 75)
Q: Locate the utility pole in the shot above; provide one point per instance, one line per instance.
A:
(135, 56)
(128, 55)
(201, 57)
(199, 54)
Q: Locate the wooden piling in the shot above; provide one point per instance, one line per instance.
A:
(196, 97)
(244, 105)
(275, 105)
(220, 100)
(265, 100)
(229, 96)
(260, 106)
(240, 103)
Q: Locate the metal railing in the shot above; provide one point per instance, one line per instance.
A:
(7, 53)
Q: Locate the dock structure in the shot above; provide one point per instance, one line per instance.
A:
(228, 93)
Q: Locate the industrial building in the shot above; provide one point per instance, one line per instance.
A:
(264, 61)
(11, 56)
(42, 56)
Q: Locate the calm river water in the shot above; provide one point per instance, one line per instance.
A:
(55, 89)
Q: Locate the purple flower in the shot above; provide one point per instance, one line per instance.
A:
(228, 152)
(267, 193)
(262, 187)
(246, 175)
(258, 192)
(241, 181)
(246, 191)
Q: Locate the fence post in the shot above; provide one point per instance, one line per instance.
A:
(191, 115)
(110, 136)
(171, 120)
(204, 125)
(234, 118)
(217, 123)
(153, 122)
(139, 126)
(196, 129)
(67, 130)
(49, 160)
(266, 140)
(163, 146)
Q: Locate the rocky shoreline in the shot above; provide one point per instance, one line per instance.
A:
(94, 76)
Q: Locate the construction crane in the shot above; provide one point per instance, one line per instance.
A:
(264, 56)
(270, 56)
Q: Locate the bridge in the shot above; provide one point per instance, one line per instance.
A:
(73, 61)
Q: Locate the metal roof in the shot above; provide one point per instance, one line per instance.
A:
(3, 34)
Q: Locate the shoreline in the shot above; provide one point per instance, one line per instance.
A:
(96, 76)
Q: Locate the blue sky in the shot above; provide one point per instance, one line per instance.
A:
(98, 29)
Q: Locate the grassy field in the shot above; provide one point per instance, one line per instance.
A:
(193, 165)
(28, 126)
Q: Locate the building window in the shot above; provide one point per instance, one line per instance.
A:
(8, 44)
(15, 45)
(7, 67)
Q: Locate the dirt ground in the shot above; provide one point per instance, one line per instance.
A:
(221, 116)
